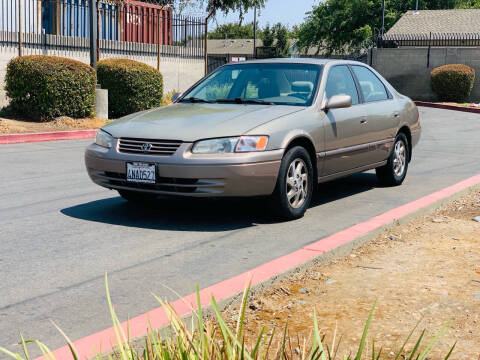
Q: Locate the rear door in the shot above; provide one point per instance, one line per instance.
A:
(344, 131)
(381, 110)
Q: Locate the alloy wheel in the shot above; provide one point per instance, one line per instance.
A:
(399, 158)
(297, 183)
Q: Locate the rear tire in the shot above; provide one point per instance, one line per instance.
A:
(293, 192)
(135, 197)
(395, 171)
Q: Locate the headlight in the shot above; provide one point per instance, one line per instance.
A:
(230, 145)
(104, 139)
(212, 146)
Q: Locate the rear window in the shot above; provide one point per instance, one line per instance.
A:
(370, 85)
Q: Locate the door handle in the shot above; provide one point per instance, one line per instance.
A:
(396, 114)
(363, 121)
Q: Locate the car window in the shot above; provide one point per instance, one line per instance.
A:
(340, 82)
(372, 88)
(281, 84)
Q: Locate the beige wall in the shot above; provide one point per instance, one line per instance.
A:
(178, 73)
(406, 68)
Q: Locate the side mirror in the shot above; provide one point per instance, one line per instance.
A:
(175, 96)
(338, 102)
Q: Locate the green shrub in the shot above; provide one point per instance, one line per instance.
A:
(452, 82)
(132, 86)
(44, 87)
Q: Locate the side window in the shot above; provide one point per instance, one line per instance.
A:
(340, 82)
(372, 88)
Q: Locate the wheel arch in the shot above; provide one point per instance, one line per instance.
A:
(307, 143)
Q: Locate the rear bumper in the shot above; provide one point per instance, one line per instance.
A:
(184, 174)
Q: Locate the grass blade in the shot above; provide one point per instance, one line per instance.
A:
(417, 345)
(407, 340)
(451, 351)
(317, 342)
(11, 354)
(69, 342)
(364, 335)
(434, 341)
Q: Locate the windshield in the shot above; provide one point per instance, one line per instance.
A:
(278, 84)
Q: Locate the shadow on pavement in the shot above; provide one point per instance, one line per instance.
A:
(194, 214)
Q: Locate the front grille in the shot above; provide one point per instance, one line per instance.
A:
(148, 146)
(163, 184)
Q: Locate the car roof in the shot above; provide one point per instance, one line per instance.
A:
(312, 61)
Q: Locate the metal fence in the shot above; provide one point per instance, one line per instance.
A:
(130, 27)
(215, 61)
(431, 39)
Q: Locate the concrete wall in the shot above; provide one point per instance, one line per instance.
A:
(178, 73)
(406, 68)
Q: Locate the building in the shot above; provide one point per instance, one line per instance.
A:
(459, 27)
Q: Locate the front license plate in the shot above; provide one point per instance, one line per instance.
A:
(141, 173)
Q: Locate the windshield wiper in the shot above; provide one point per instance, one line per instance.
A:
(244, 101)
(197, 100)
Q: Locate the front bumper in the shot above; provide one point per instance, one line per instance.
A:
(187, 174)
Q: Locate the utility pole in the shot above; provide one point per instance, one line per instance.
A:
(206, 42)
(382, 31)
(255, 32)
(92, 17)
(20, 30)
(416, 7)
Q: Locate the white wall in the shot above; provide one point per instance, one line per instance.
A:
(178, 73)
(406, 68)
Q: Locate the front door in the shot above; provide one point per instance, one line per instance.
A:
(345, 134)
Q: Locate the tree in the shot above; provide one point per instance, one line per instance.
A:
(225, 6)
(268, 36)
(277, 36)
(232, 31)
(283, 44)
(337, 26)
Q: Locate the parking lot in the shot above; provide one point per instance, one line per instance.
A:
(60, 233)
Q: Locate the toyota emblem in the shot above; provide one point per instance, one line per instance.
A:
(146, 147)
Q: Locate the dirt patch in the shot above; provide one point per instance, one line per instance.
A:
(428, 268)
(63, 123)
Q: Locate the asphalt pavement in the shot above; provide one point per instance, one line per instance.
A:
(60, 233)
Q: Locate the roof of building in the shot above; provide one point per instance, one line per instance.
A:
(245, 47)
(456, 21)
(232, 46)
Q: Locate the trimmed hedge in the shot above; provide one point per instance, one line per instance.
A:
(132, 86)
(45, 87)
(452, 82)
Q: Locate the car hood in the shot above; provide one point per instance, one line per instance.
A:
(191, 122)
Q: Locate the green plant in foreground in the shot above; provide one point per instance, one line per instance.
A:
(216, 340)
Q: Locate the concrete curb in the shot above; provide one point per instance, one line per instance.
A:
(228, 291)
(447, 107)
(47, 136)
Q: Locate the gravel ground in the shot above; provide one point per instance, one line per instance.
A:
(63, 123)
(427, 269)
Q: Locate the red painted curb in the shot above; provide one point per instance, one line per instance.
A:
(47, 136)
(447, 107)
(104, 340)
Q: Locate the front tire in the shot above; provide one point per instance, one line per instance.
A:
(293, 192)
(395, 171)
